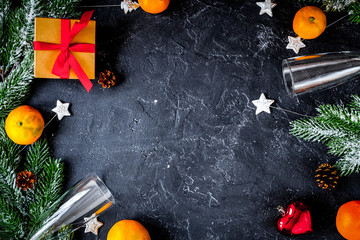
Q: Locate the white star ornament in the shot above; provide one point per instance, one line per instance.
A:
(262, 104)
(92, 225)
(129, 6)
(295, 44)
(266, 7)
(61, 109)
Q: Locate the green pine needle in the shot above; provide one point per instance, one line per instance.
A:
(339, 128)
(23, 212)
(351, 7)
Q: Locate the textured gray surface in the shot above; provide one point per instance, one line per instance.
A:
(178, 141)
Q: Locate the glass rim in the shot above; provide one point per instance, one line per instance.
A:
(103, 187)
(288, 82)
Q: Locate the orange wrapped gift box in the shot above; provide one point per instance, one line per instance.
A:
(63, 50)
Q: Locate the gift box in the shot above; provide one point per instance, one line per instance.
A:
(63, 50)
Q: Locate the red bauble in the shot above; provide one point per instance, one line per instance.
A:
(296, 220)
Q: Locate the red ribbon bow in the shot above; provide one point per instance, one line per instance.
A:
(65, 60)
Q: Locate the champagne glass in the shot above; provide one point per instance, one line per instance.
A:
(319, 71)
(86, 199)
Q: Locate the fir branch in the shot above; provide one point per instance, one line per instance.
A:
(36, 156)
(62, 8)
(47, 191)
(351, 7)
(355, 103)
(20, 209)
(354, 11)
(11, 224)
(9, 163)
(346, 119)
(348, 164)
(339, 128)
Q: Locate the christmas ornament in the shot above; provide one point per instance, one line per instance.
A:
(107, 79)
(327, 176)
(61, 109)
(295, 44)
(154, 6)
(266, 7)
(295, 220)
(128, 230)
(309, 22)
(92, 225)
(262, 104)
(25, 180)
(55, 55)
(24, 125)
(348, 220)
(129, 6)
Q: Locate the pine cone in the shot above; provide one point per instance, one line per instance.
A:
(107, 79)
(327, 176)
(25, 180)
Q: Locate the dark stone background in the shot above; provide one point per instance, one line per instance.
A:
(177, 139)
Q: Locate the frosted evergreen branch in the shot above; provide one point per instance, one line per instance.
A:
(36, 156)
(349, 164)
(339, 128)
(315, 130)
(20, 209)
(11, 225)
(62, 9)
(345, 119)
(49, 173)
(355, 103)
(47, 191)
(351, 7)
(9, 163)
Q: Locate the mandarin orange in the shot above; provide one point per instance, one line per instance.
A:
(154, 6)
(24, 125)
(128, 230)
(348, 220)
(309, 22)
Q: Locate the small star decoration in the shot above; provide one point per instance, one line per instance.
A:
(262, 104)
(295, 44)
(266, 7)
(92, 224)
(129, 5)
(61, 109)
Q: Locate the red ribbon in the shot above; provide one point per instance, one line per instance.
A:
(65, 60)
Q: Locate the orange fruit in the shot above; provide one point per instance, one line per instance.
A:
(128, 230)
(309, 22)
(348, 220)
(24, 125)
(154, 6)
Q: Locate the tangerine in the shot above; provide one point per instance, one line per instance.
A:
(154, 6)
(128, 230)
(348, 220)
(24, 125)
(309, 22)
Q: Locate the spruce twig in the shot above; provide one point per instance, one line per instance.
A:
(20, 210)
(352, 7)
(339, 128)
